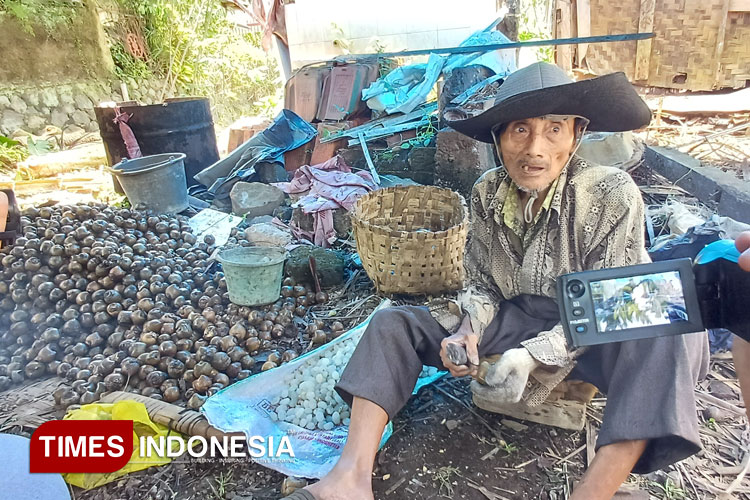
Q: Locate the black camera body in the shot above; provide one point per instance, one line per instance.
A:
(670, 297)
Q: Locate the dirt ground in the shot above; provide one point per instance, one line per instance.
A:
(442, 447)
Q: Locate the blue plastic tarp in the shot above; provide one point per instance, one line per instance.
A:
(287, 132)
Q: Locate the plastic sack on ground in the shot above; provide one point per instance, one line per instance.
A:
(288, 131)
(142, 426)
(248, 407)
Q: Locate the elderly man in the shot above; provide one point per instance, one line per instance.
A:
(543, 213)
(740, 347)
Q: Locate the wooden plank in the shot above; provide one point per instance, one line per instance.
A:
(643, 47)
(561, 413)
(739, 5)
(707, 104)
(564, 53)
(720, 43)
(590, 443)
(583, 23)
(189, 422)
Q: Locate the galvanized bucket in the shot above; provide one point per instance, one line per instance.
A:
(253, 274)
(155, 182)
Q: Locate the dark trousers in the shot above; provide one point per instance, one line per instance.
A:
(649, 383)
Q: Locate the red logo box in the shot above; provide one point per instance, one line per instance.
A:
(81, 446)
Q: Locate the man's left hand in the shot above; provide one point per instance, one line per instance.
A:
(506, 379)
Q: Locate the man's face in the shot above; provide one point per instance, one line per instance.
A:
(535, 150)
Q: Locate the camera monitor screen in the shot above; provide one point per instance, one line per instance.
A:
(638, 301)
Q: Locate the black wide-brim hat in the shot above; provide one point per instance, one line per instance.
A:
(609, 102)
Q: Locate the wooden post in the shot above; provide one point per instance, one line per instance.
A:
(583, 23)
(720, 43)
(643, 47)
(564, 53)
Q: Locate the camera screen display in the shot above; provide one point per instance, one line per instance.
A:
(638, 301)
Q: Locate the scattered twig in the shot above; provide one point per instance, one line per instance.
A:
(484, 491)
(481, 419)
(719, 402)
(738, 480)
(570, 455)
(395, 486)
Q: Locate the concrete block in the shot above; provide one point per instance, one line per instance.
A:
(330, 265)
(720, 190)
(460, 161)
(255, 198)
(268, 235)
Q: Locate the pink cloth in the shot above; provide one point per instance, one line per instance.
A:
(128, 137)
(327, 186)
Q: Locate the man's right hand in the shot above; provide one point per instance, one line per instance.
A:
(470, 341)
(743, 245)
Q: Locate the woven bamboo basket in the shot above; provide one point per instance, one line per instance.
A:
(411, 239)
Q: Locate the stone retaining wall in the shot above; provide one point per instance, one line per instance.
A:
(68, 106)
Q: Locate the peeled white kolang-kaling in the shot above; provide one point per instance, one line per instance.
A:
(309, 399)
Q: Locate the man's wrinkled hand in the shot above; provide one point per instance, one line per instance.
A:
(466, 338)
(743, 245)
(506, 379)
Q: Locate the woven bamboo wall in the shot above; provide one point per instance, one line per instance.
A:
(683, 53)
(735, 60)
(610, 18)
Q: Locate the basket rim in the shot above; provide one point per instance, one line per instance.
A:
(356, 219)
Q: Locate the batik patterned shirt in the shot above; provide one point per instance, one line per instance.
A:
(592, 218)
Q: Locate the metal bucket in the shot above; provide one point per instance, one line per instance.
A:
(155, 182)
(253, 274)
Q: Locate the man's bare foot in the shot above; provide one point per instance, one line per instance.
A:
(343, 483)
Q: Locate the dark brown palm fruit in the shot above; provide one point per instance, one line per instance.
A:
(114, 381)
(171, 394)
(288, 355)
(268, 365)
(319, 338)
(130, 366)
(220, 361)
(202, 384)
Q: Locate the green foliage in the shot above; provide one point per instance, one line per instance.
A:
(52, 15)
(444, 477)
(543, 53)
(508, 448)
(11, 152)
(667, 491)
(39, 146)
(534, 25)
(198, 51)
(425, 135)
(127, 65)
